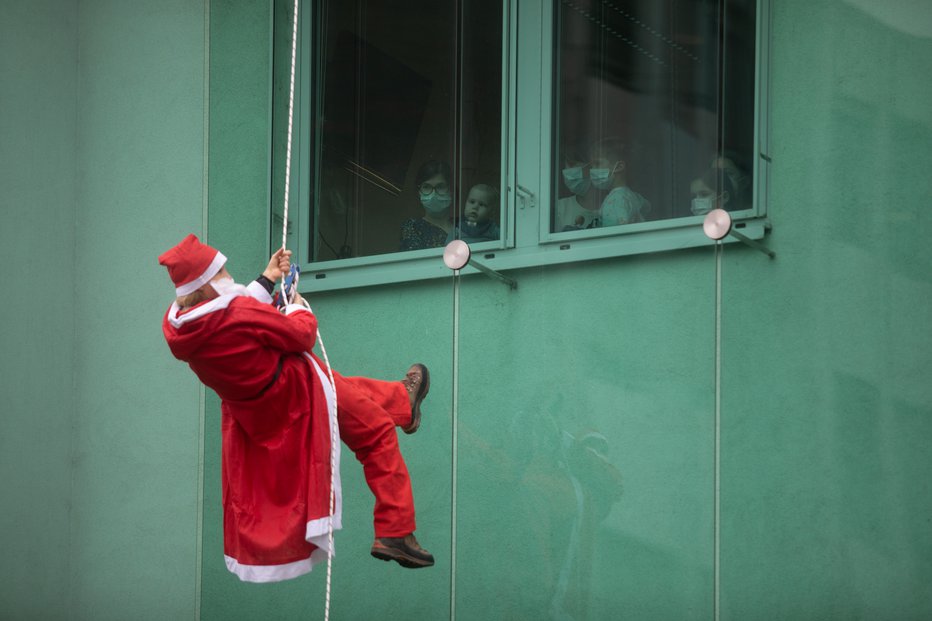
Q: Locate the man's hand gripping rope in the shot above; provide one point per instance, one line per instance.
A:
(280, 267)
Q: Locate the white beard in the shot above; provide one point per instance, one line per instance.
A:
(226, 286)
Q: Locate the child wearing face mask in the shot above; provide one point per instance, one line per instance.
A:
(477, 224)
(713, 190)
(609, 171)
(435, 191)
(580, 210)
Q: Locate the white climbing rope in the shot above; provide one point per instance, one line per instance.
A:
(290, 298)
(294, 52)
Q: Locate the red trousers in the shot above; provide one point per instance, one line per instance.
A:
(368, 411)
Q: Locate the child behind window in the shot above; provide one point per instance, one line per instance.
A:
(477, 223)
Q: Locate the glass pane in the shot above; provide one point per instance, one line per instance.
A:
(585, 441)
(654, 119)
(406, 119)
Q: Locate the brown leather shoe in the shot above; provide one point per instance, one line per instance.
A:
(403, 550)
(417, 383)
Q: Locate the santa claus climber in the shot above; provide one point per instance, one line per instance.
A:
(277, 408)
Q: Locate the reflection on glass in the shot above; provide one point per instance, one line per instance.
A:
(406, 123)
(655, 110)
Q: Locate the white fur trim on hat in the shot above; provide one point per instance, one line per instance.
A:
(203, 279)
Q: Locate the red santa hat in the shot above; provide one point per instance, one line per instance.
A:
(191, 264)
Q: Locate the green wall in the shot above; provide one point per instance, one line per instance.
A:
(826, 468)
(140, 189)
(238, 187)
(605, 468)
(589, 440)
(102, 109)
(38, 80)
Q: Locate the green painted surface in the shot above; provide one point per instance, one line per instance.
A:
(825, 500)
(586, 441)
(139, 191)
(102, 113)
(238, 223)
(37, 129)
(827, 407)
(599, 371)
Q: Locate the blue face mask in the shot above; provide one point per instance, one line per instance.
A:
(701, 205)
(575, 181)
(435, 202)
(602, 177)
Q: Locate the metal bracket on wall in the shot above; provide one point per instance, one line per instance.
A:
(718, 225)
(457, 255)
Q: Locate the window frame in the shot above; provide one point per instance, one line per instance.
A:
(527, 76)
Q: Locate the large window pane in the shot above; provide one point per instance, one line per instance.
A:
(655, 110)
(406, 120)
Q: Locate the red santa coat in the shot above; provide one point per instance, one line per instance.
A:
(278, 418)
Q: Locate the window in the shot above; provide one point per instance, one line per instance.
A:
(403, 140)
(539, 132)
(642, 88)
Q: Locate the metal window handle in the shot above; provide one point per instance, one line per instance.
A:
(526, 196)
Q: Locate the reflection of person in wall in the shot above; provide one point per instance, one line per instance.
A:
(277, 408)
(581, 209)
(597, 486)
(609, 171)
(435, 188)
(478, 223)
(713, 190)
(566, 486)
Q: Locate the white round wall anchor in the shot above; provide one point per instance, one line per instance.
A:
(456, 255)
(717, 224)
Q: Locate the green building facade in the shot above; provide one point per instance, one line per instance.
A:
(702, 432)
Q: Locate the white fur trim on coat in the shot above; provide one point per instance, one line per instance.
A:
(317, 531)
